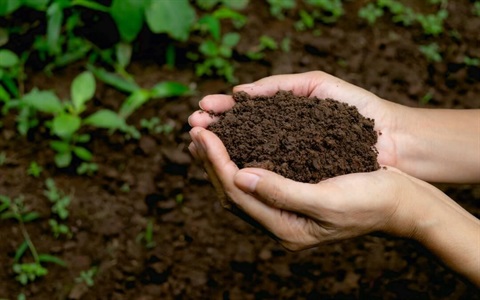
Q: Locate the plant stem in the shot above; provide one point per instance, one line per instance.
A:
(91, 5)
(25, 234)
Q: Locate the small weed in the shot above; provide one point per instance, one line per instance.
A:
(433, 24)
(370, 13)
(59, 229)
(87, 276)
(179, 198)
(87, 168)
(327, 11)
(147, 237)
(265, 43)
(154, 126)
(26, 272)
(34, 169)
(307, 21)
(58, 198)
(431, 52)
(426, 98)
(476, 8)
(471, 61)
(3, 158)
(277, 7)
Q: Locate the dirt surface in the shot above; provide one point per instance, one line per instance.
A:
(304, 139)
(201, 251)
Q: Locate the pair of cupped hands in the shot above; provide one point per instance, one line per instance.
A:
(302, 215)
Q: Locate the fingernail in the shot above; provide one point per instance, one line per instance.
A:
(244, 86)
(246, 181)
(200, 105)
(188, 120)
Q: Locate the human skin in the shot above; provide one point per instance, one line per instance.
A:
(433, 145)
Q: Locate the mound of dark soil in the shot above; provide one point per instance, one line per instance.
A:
(301, 138)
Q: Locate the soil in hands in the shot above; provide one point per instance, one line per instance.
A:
(301, 138)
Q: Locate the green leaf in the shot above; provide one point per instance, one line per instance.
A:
(114, 80)
(9, 6)
(231, 39)
(44, 101)
(212, 24)
(82, 90)
(30, 216)
(133, 102)
(51, 259)
(20, 251)
(236, 4)
(168, 89)
(36, 4)
(63, 159)
(172, 17)
(209, 48)
(124, 54)
(54, 26)
(83, 153)
(60, 146)
(105, 119)
(128, 15)
(8, 58)
(65, 125)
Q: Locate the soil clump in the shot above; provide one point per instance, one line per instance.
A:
(304, 139)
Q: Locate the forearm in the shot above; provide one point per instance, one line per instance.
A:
(439, 145)
(453, 235)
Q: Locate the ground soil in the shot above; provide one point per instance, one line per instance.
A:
(202, 251)
(303, 139)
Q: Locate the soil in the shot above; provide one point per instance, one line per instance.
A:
(300, 138)
(202, 251)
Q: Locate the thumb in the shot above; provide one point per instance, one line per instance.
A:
(277, 191)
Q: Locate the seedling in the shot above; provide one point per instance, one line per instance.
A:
(370, 13)
(431, 52)
(277, 7)
(59, 229)
(476, 8)
(433, 24)
(34, 169)
(87, 276)
(26, 272)
(209, 4)
(471, 61)
(265, 43)
(59, 200)
(147, 236)
(11, 77)
(87, 168)
(154, 126)
(327, 11)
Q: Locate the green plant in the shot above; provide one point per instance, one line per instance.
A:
(476, 8)
(265, 43)
(11, 77)
(471, 61)
(233, 4)
(3, 158)
(307, 21)
(87, 276)
(59, 229)
(277, 7)
(431, 52)
(426, 98)
(371, 12)
(59, 200)
(87, 168)
(327, 11)
(154, 126)
(147, 236)
(432, 24)
(26, 272)
(34, 169)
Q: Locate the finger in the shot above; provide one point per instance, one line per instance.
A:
(201, 118)
(280, 192)
(193, 150)
(216, 103)
(300, 84)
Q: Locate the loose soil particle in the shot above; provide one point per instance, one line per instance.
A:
(301, 138)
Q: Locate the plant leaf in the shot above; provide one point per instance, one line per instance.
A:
(44, 101)
(8, 58)
(82, 90)
(9, 6)
(173, 17)
(51, 259)
(65, 125)
(124, 54)
(60, 146)
(83, 153)
(128, 15)
(36, 4)
(105, 118)
(212, 24)
(133, 102)
(30, 216)
(168, 89)
(20, 251)
(114, 80)
(54, 26)
(231, 39)
(63, 159)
